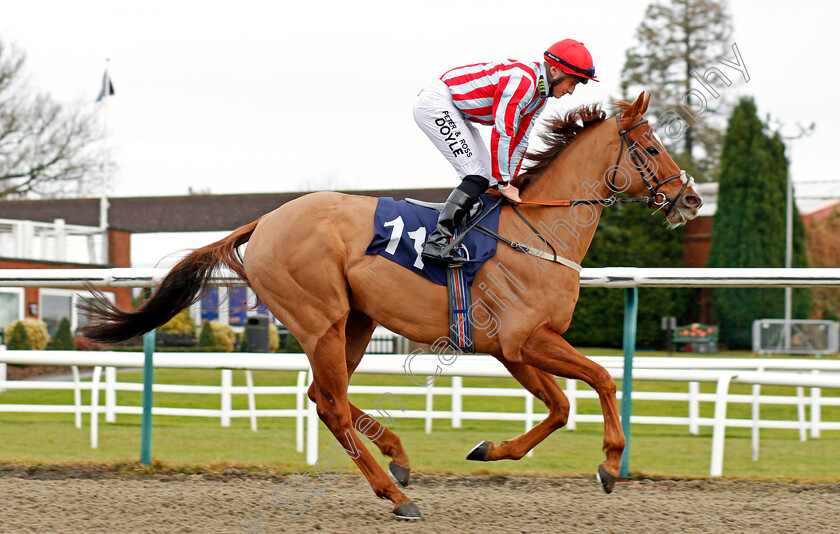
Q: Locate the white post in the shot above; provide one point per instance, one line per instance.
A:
(756, 407)
(788, 260)
(756, 417)
(77, 395)
(719, 430)
(429, 405)
(457, 384)
(300, 411)
(28, 238)
(110, 394)
(311, 430)
(17, 240)
(529, 417)
(694, 408)
(94, 407)
(224, 305)
(227, 383)
(103, 201)
(571, 394)
(800, 413)
(195, 312)
(60, 240)
(252, 404)
(815, 409)
(45, 244)
(3, 372)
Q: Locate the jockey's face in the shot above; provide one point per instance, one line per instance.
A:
(566, 87)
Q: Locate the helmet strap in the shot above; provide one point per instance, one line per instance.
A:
(552, 82)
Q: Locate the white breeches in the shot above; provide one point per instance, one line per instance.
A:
(456, 138)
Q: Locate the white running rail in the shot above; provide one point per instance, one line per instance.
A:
(797, 373)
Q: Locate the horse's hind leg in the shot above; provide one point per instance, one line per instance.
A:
(357, 335)
(330, 382)
(543, 386)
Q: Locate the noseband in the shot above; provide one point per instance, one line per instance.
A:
(647, 175)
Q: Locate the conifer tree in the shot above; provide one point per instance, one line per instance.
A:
(206, 339)
(17, 338)
(63, 339)
(749, 225)
(676, 38)
(628, 236)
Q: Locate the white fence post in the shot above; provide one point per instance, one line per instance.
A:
(94, 407)
(693, 408)
(300, 410)
(719, 432)
(3, 370)
(756, 418)
(227, 384)
(457, 384)
(252, 404)
(529, 417)
(815, 409)
(110, 394)
(800, 413)
(571, 394)
(311, 430)
(429, 404)
(77, 395)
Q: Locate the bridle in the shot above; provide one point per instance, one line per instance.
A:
(658, 199)
(647, 175)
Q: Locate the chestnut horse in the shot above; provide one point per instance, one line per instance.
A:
(306, 261)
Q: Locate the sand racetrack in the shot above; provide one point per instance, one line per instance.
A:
(50, 499)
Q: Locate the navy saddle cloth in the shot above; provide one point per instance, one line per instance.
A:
(401, 230)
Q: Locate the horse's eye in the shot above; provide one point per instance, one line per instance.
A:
(652, 150)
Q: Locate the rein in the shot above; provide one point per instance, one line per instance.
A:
(658, 199)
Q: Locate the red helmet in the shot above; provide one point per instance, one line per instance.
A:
(571, 57)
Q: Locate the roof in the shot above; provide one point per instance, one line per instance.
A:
(188, 213)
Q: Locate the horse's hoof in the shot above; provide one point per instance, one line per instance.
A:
(606, 480)
(408, 511)
(400, 474)
(479, 452)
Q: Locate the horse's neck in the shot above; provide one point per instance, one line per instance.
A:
(580, 173)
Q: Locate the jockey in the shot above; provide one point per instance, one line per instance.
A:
(509, 96)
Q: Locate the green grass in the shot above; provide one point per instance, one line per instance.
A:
(656, 450)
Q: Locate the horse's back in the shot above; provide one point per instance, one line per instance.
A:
(323, 219)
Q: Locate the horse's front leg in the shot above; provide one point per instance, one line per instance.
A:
(547, 350)
(543, 386)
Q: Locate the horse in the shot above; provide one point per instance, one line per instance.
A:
(306, 262)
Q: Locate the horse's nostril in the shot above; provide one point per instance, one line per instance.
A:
(693, 201)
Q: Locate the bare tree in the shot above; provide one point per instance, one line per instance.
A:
(46, 149)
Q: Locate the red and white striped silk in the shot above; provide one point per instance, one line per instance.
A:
(509, 96)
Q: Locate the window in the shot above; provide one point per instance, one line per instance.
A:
(59, 303)
(11, 306)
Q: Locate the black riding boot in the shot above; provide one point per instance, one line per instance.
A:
(451, 216)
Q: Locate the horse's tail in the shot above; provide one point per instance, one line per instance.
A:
(180, 288)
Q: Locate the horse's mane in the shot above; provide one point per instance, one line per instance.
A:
(562, 131)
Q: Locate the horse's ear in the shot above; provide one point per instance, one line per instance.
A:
(636, 107)
(646, 104)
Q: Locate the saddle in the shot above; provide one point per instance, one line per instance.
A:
(402, 227)
(459, 292)
(475, 210)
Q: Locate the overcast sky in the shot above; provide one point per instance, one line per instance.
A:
(252, 97)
